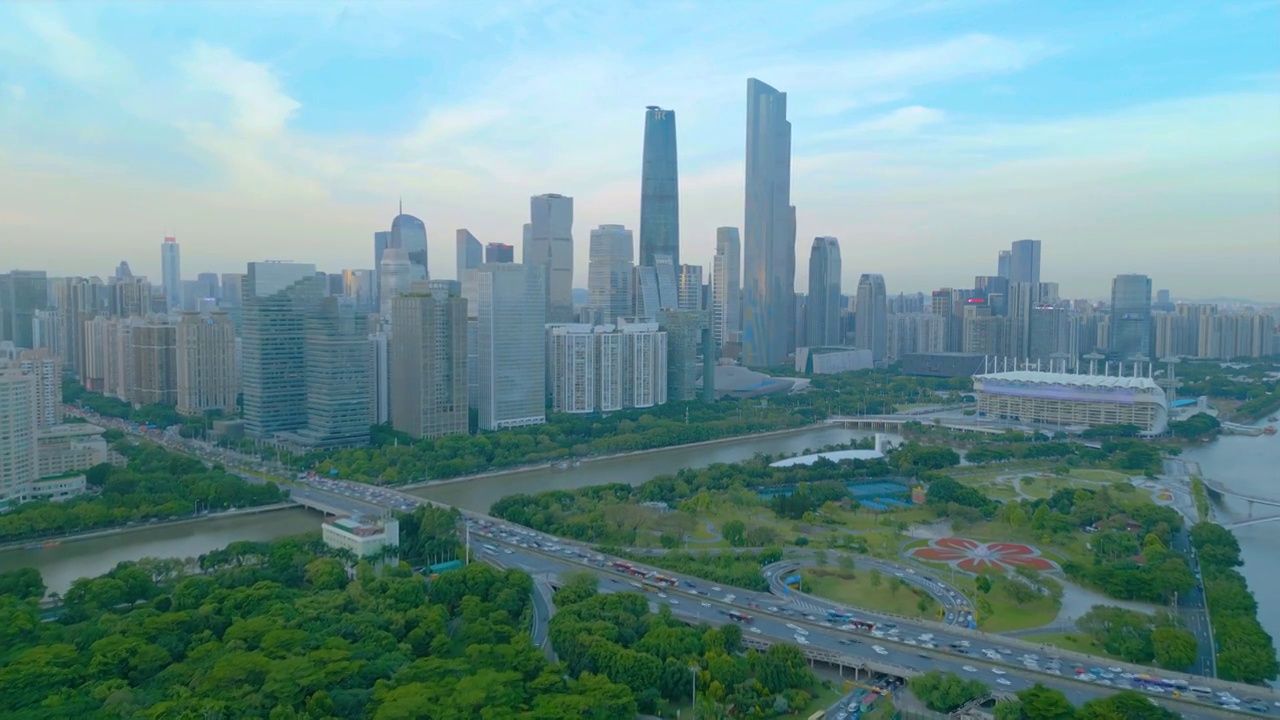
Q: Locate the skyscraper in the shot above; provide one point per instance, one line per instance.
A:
(171, 273)
(18, 423)
(46, 368)
(381, 241)
(873, 316)
(470, 252)
(823, 308)
(511, 345)
(339, 377)
(206, 363)
(769, 228)
(499, 253)
(726, 281)
(1024, 262)
(395, 276)
(659, 188)
(609, 272)
(277, 299)
(429, 363)
(22, 293)
(208, 283)
(550, 246)
(1130, 317)
(689, 287)
(1002, 264)
(410, 234)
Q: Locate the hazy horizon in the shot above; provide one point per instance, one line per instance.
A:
(928, 135)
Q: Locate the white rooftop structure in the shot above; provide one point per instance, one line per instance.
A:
(835, 456)
(1056, 378)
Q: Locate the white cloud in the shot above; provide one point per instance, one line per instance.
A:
(903, 121)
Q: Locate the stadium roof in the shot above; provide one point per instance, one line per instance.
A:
(1032, 377)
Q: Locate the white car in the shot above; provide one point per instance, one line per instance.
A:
(662, 595)
(793, 626)
(705, 604)
(997, 671)
(1003, 681)
(715, 588)
(755, 630)
(969, 668)
(800, 639)
(879, 650)
(674, 601)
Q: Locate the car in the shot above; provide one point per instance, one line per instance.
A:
(705, 604)
(879, 650)
(662, 595)
(844, 641)
(771, 608)
(801, 639)
(997, 671)
(969, 668)
(715, 588)
(793, 626)
(755, 630)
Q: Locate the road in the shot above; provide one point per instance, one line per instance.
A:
(775, 619)
(1193, 610)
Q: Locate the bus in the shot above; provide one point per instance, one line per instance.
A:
(835, 615)
(860, 625)
(622, 567)
(741, 617)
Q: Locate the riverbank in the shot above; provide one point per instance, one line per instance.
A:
(125, 529)
(597, 458)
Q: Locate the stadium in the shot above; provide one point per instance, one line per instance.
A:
(1072, 401)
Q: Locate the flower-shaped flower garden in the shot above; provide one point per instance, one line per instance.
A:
(973, 556)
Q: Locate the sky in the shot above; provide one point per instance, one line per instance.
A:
(927, 134)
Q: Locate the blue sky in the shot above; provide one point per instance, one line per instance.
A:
(928, 134)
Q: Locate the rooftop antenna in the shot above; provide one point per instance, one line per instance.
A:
(401, 211)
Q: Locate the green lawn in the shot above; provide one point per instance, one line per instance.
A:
(1077, 642)
(1099, 475)
(834, 584)
(1008, 615)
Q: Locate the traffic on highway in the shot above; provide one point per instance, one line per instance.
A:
(875, 638)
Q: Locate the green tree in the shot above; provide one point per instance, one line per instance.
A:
(734, 532)
(1174, 648)
(982, 584)
(1043, 703)
(875, 578)
(1124, 705)
(945, 692)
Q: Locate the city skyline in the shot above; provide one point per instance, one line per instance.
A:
(260, 151)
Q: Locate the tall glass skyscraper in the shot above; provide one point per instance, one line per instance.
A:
(171, 273)
(726, 281)
(1130, 317)
(823, 308)
(278, 298)
(549, 245)
(659, 188)
(470, 252)
(410, 234)
(1024, 262)
(769, 230)
(610, 273)
(872, 326)
(22, 294)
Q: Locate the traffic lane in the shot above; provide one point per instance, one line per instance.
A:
(895, 653)
(954, 603)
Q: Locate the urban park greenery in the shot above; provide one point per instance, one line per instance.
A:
(656, 656)
(1140, 638)
(285, 633)
(153, 484)
(1246, 652)
(1044, 703)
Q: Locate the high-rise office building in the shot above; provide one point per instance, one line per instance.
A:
(1003, 263)
(645, 287)
(339, 376)
(22, 293)
(154, 345)
(659, 188)
(232, 287)
(206, 363)
(470, 252)
(499, 253)
(381, 241)
(872, 323)
(609, 272)
(668, 282)
(1047, 334)
(396, 276)
(823, 307)
(428, 362)
(1023, 298)
(410, 234)
(684, 338)
(769, 231)
(550, 247)
(171, 273)
(207, 283)
(511, 346)
(278, 296)
(1130, 333)
(19, 465)
(726, 292)
(123, 271)
(1024, 262)
(689, 288)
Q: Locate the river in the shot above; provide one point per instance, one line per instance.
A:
(62, 564)
(1250, 465)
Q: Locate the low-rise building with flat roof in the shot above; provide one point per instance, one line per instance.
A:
(364, 537)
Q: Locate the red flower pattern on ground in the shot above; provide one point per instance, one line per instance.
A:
(974, 556)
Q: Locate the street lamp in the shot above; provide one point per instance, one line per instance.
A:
(693, 709)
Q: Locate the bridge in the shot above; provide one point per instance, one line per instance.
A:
(895, 423)
(839, 660)
(1252, 500)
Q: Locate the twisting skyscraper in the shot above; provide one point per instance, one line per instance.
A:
(823, 324)
(659, 188)
(769, 229)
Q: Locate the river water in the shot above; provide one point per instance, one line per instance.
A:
(1250, 465)
(62, 564)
